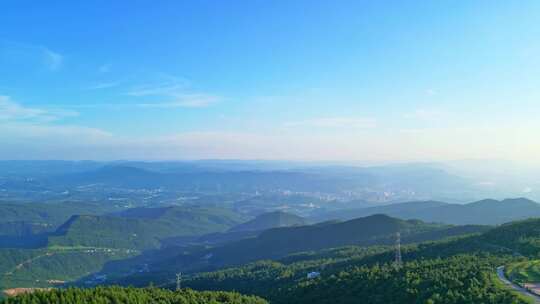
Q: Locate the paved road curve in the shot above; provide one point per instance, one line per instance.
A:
(500, 274)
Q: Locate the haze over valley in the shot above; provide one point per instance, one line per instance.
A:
(86, 223)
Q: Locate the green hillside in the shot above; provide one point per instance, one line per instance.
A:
(270, 220)
(141, 228)
(455, 270)
(193, 220)
(85, 244)
(280, 242)
(107, 232)
(28, 218)
(527, 271)
(460, 279)
(9, 258)
(47, 267)
(432, 273)
(106, 295)
(452, 271)
(522, 237)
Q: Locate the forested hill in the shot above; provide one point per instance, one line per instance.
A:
(371, 230)
(40, 217)
(107, 295)
(270, 220)
(460, 279)
(522, 237)
(142, 228)
(279, 242)
(455, 271)
(484, 212)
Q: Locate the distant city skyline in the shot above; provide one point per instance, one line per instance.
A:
(373, 81)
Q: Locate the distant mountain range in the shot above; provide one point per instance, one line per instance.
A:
(377, 183)
(484, 212)
(206, 181)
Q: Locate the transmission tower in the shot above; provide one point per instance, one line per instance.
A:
(398, 262)
(178, 281)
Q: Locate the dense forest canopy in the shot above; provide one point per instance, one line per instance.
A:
(118, 295)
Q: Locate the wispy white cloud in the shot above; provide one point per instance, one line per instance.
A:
(170, 87)
(104, 85)
(13, 111)
(335, 122)
(54, 133)
(197, 100)
(173, 92)
(31, 132)
(31, 53)
(10, 110)
(52, 59)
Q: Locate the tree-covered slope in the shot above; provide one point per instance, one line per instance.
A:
(270, 220)
(192, 220)
(141, 228)
(371, 230)
(280, 242)
(460, 279)
(106, 232)
(456, 270)
(118, 295)
(432, 273)
(452, 271)
(26, 225)
(20, 219)
(522, 237)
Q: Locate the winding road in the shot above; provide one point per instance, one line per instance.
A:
(523, 291)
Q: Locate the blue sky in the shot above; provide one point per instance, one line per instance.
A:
(311, 80)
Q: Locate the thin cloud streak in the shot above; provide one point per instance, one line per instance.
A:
(185, 101)
(335, 122)
(167, 88)
(175, 93)
(13, 111)
(36, 54)
(104, 85)
(52, 59)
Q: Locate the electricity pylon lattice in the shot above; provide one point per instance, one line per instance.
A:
(398, 262)
(178, 281)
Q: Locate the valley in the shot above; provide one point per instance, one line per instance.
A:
(262, 241)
